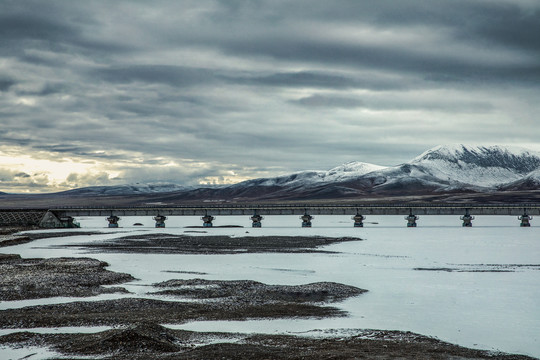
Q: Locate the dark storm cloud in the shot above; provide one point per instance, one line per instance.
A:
(180, 76)
(54, 26)
(81, 151)
(506, 24)
(51, 89)
(27, 26)
(477, 24)
(329, 101)
(5, 84)
(46, 90)
(13, 138)
(395, 103)
(258, 87)
(387, 59)
(306, 79)
(172, 75)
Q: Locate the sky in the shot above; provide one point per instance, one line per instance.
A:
(199, 92)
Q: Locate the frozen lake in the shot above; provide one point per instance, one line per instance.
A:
(486, 293)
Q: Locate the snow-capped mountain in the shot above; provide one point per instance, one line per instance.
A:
(479, 165)
(443, 169)
(448, 168)
(458, 167)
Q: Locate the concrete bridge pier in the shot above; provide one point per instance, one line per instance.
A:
(69, 222)
(525, 219)
(160, 221)
(256, 220)
(306, 219)
(207, 220)
(467, 219)
(113, 221)
(358, 220)
(411, 219)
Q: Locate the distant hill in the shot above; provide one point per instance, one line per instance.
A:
(481, 172)
(127, 189)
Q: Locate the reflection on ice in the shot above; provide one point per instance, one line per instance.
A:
(27, 352)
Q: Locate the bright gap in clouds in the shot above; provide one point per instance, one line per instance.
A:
(23, 173)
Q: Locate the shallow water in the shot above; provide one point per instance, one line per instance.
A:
(471, 306)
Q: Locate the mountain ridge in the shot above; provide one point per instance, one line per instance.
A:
(442, 169)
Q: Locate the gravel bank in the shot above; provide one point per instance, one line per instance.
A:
(128, 311)
(186, 244)
(41, 278)
(151, 341)
(247, 291)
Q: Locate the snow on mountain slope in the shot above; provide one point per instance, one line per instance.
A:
(347, 171)
(350, 170)
(459, 167)
(484, 166)
(529, 182)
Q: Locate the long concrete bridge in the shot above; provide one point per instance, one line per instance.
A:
(63, 217)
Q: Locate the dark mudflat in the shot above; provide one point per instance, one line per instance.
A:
(151, 341)
(204, 244)
(22, 279)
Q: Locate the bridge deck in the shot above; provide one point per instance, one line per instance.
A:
(323, 209)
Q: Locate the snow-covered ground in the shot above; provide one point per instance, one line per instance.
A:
(487, 297)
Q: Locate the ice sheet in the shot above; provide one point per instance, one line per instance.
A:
(470, 305)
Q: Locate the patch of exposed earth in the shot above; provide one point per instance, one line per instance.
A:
(186, 244)
(247, 291)
(41, 278)
(233, 300)
(152, 341)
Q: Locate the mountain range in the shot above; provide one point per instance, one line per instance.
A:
(443, 169)
(448, 169)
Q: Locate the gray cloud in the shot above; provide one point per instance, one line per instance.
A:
(330, 101)
(20, 182)
(170, 75)
(190, 90)
(306, 79)
(402, 103)
(5, 84)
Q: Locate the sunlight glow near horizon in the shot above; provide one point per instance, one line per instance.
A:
(50, 175)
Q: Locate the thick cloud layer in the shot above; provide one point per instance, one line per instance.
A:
(215, 91)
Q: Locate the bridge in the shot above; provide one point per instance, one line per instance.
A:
(63, 217)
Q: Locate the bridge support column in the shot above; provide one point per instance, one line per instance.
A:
(306, 219)
(525, 219)
(113, 221)
(69, 222)
(411, 219)
(256, 220)
(207, 220)
(160, 221)
(467, 219)
(358, 220)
